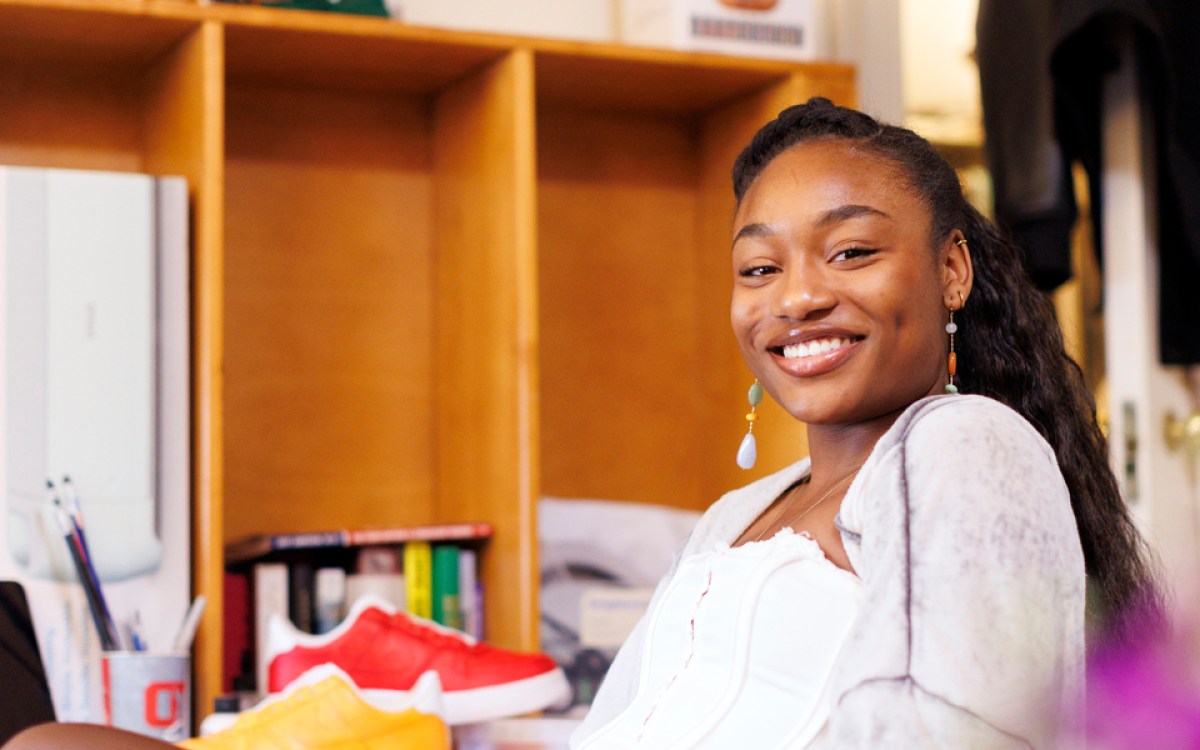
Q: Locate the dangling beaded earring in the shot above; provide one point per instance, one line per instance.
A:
(952, 359)
(748, 451)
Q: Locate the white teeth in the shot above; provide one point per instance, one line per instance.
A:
(818, 346)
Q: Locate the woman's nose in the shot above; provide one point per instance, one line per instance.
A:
(805, 292)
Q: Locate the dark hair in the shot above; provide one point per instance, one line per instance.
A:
(1011, 349)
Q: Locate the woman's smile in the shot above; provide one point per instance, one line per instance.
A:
(809, 354)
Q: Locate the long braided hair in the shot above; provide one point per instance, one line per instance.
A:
(1014, 353)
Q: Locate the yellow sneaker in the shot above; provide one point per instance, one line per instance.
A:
(324, 710)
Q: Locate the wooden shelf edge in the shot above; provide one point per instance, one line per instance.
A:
(343, 24)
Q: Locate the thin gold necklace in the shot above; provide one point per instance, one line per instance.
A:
(792, 523)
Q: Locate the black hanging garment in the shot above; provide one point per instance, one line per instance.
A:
(1042, 65)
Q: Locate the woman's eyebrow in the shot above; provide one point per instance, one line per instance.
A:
(756, 229)
(830, 217)
(848, 211)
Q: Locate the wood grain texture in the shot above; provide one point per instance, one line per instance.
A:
(660, 82)
(69, 116)
(183, 89)
(113, 36)
(320, 56)
(618, 274)
(487, 340)
(328, 311)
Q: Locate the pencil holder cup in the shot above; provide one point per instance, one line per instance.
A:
(148, 693)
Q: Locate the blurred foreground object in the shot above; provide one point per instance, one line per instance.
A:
(325, 710)
(1145, 692)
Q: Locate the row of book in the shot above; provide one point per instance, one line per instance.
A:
(314, 578)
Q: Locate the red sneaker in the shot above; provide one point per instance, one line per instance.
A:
(386, 650)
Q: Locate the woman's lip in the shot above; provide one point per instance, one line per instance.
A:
(815, 364)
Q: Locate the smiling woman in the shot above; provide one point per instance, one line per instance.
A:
(919, 580)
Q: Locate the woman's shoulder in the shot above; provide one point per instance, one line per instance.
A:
(964, 422)
(962, 463)
(945, 447)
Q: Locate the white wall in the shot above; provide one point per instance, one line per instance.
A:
(940, 78)
(867, 34)
(914, 60)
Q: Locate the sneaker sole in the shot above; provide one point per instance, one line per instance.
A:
(497, 701)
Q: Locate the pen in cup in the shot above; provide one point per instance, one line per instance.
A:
(187, 631)
(136, 641)
(71, 503)
(91, 588)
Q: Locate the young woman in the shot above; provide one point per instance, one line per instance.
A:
(919, 580)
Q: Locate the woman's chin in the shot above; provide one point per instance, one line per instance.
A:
(813, 411)
(845, 410)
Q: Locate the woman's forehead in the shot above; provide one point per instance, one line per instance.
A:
(812, 179)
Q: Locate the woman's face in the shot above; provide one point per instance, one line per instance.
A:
(839, 302)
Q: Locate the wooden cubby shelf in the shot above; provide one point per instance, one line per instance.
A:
(436, 274)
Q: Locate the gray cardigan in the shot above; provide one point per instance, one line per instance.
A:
(972, 629)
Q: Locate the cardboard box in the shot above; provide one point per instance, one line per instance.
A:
(787, 29)
(581, 20)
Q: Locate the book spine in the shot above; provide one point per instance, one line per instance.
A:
(301, 582)
(329, 599)
(418, 578)
(379, 559)
(378, 573)
(270, 599)
(237, 642)
(264, 544)
(469, 601)
(446, 609)
(261, 545)
(442, 532)
(308, 541)
(386, 586)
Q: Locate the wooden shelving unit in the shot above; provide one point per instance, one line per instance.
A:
(437, 274)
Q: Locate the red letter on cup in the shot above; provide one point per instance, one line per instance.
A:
(154, 695)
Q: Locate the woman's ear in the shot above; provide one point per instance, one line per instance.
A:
(957, 272)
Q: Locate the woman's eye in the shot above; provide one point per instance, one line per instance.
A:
(753, 271)
(853, 253)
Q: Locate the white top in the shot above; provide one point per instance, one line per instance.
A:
(971, 630)
(738, 659)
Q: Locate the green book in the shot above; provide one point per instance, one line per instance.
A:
(447, 606)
